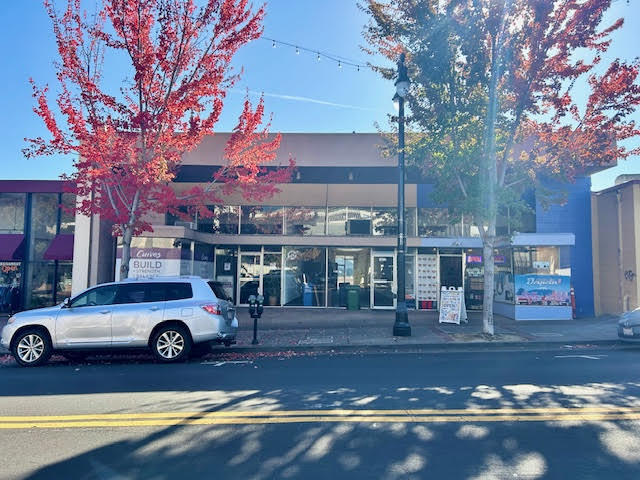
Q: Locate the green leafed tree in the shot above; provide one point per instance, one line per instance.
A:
(497, 104)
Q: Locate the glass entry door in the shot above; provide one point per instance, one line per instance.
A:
(250, 267)
(383, 279)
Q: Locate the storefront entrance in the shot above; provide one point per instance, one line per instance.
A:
(383, 279)
(450, 270)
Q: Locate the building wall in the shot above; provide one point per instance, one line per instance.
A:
(616, 246)
(573, 216)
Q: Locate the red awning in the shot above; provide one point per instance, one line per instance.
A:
(60, 248)
(11, 246)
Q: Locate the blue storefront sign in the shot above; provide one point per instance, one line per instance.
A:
(543, 290)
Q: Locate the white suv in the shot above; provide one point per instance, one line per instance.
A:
(169, 315)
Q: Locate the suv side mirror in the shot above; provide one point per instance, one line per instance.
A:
(66, 302)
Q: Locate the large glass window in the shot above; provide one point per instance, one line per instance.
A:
(436, 222)
(337, 221)
(304, 276)
(67, 214)
(410, 221)
(10, 275)
(271, 277)
(262, 220)
(385, 221)
(225, 220)
(12, 212)
(540, 261)
(348, 266)
(44, 221)
(305, 220)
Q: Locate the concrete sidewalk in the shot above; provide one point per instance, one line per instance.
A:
(302, 328)
(298, 328)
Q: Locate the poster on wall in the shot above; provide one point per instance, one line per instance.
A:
(543, 290)
(452, 307)
(151, 262)
(427, 281)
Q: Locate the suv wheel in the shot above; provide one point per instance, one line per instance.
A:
(171, 343)
(31, 348)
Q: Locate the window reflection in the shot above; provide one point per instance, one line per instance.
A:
(348, 266)
(305, 221)
(436, 222)
(262, 220)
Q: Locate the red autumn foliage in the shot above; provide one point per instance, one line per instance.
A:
(128, 143)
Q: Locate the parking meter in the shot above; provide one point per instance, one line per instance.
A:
(255, 310)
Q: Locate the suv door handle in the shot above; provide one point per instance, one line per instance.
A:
(154, 309)
(104, 312)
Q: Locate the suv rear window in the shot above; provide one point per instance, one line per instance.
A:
(178, 291)
(218, 290)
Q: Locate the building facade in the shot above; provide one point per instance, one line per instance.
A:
(37, 229)
(616, 250)
(333, 228)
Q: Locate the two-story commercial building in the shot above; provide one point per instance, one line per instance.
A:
(333, 227)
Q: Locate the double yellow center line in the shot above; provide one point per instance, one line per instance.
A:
(228, 417)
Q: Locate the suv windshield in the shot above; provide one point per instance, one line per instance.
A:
(218, 290)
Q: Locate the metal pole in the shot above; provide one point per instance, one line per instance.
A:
(401, 326)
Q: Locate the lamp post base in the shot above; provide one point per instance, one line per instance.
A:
(401, 327)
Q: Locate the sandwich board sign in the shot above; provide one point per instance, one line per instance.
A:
(452, 307)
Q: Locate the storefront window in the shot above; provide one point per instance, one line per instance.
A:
(40, 285)
(347, 267)
(262, 220)
(12, 212)
(474, 279)
(226, 270)
(436, 222)
(504, 285)
(271, 278)
(540, 278)
(385, 221)
(10, 276)
(304, 276)
(224, 220)
(67, 214)
(305, 220)
(63, 283)
(203, 260)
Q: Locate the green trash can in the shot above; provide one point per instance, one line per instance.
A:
(353, 298)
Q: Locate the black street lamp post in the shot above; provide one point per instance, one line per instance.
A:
(401, 326)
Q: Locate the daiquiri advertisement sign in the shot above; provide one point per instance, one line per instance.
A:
(543, 290)
(151, 262)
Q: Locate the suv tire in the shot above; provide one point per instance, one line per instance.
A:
(171, 343)
(31, 347)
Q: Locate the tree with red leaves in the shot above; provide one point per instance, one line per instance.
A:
(129, 143)
(495, 104)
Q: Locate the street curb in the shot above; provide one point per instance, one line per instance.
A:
(462, 346)
(423, 347)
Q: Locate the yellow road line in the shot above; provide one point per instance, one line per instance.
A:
(323, 419)
(339, 412)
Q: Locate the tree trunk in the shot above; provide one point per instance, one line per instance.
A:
(127, 235)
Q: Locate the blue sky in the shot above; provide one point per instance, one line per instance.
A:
(304, 95)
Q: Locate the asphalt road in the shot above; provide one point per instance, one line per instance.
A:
(554, 414)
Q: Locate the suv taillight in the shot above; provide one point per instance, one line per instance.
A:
(213, 309)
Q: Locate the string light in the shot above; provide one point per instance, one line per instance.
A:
(319, 54)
